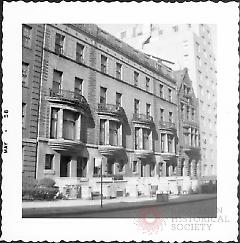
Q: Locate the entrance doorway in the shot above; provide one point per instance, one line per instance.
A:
(81, 167)
(142, 170)
(64, 166)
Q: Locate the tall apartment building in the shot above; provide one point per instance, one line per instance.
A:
(187, 46)
(32, 43)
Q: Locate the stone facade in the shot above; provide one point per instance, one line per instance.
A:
(102, 99)
(32, 48)
(189, 162)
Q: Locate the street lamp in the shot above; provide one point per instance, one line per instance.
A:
(99, 164)
(101, 184)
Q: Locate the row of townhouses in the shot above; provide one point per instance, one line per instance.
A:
(89, 97)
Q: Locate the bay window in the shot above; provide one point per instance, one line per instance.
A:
(113, 133)
(69, 119)
(102, 132)
(54, 120)
(146, 133)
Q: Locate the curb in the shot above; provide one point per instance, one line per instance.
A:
(115, 207)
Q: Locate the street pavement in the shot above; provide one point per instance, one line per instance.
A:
(196, 205)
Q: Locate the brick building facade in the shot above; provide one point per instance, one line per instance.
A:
(102, 99)
(32, 47)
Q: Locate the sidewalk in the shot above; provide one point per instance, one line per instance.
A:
(85, 206)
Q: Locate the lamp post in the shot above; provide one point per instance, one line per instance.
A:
(101, 184)
(98, 163)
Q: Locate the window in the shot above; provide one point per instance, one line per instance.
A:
(200, 75)
(198, 46)
(161, 115)
(59, 43)
(103, 92)
(170, 143)
(26, 35)
(136, 76)
(161, 90)
(170, 117)
(134, 166)
(187, 112)
(148, 110)
(118, 70)
(175, 28)
(137, 139)
(147, 83)
(69, 119)
(136, 106)
(162, 142)
(24, 106)
(102, 132)
(57, 79)
(205, 168)
(48, 161)
(103, 64)
(79, 53)
(198, 61)
(118, 99)
(78, 87)
(169, 95)
(54, 119)
(193, 114)
(182, 111)
(25, 73)
(146, 133)
(113, 133)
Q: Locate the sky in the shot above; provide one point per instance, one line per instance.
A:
(114, 29)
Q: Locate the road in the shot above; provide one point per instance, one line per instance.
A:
(204, 208)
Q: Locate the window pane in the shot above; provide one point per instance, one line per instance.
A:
(145, 139)
(118, 99)
(57, 78)
(102, 132)
(79, 52)
(78, 87)
(54, 118)
(69, 119)
(103, 95)
(113, 133)
(48, 161)
(25, 72)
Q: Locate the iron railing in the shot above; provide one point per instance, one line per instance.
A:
(102, 107)
(167, 125)
(142, 117)
(190, 123)
(68, 95)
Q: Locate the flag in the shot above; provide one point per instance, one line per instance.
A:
(146, 41)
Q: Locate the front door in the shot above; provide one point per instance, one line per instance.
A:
(64, 166)
(81, 167)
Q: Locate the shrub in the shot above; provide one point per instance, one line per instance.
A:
(28, 186)
(45, 193)
(46, 182)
